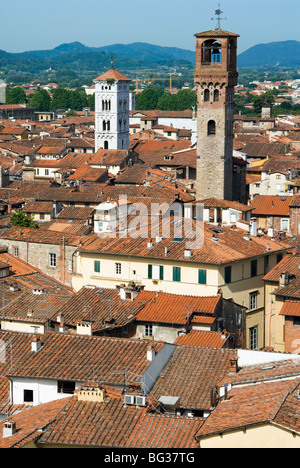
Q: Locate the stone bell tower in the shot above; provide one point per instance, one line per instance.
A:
(215, 78)
(112, 111)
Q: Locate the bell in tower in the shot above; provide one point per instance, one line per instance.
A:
(215, 78)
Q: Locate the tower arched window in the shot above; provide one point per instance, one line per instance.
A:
(211, 128)
(216, 95)
(206, 95)
(211, 52)
(106, 145)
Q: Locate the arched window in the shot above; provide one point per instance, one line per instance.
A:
(106, 145)
(211, 52)
(211, 128)
(216, 95)
(206, 95)
(104, 125)
(108, 125)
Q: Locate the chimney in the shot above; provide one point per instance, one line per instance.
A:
(9, 428)
(234, 366)
(284, 279)
(150, 353)
(36, 344)
(253, 227)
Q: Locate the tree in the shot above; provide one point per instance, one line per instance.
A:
(19, 218)
(186, 99)
(259, 101)
(147, 100)
(15, 95)
(167, 102)
(41, 101)
(60, 99)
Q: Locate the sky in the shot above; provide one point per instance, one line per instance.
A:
(38, 25)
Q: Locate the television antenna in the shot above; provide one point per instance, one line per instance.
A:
(218, 14)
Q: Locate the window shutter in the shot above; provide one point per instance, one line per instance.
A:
(149, 271)
(161, 272)
(202, 276)
(176, 274)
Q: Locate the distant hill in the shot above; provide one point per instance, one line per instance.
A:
(76, 56)
(284, 54)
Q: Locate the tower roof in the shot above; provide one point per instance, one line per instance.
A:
(112, 74)
(216, 33)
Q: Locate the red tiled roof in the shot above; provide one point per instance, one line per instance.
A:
(112, 74)
(171, 308)
(61, 358)
(190, 374)
(269, 205)
(291, 308)
(116, 425)
(254, 404)
(208, 339)
(30, 423)
(290, 263)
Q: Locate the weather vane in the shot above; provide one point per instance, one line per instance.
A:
(112, 61)
(218, 14)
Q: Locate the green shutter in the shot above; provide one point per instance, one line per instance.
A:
(202, 276)
(97, 266)
(149, 271)
(161, 272)
(176, 274)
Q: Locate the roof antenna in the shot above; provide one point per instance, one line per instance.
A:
(218, 14)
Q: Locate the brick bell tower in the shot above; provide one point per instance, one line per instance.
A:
(215, 78)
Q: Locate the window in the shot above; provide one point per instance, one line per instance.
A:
(118, 269)
(28, 396)
(253, 268)
(52, 260)
(285, 224)
(279, 258)
(16, 251)
(202, 276)
(296, 322)
(65, 386)
(156, 272)
(253, 301)
(97, 266)
(177, 274)
(148, 330)
(216, 95)
(206, 95)
(211, 128)
(253, 343)
(46, 172)
(227, 274)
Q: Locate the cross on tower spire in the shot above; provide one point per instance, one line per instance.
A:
(218, 14)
